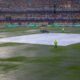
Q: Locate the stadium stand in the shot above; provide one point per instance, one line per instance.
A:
(49, 11)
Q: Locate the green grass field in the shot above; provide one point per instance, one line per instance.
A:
(55, 29)
(39, 62)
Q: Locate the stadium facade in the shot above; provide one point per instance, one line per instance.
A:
(40, 11)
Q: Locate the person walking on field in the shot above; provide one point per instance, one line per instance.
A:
(55, 44)
(62, 29)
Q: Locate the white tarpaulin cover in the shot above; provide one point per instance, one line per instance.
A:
(45, 39)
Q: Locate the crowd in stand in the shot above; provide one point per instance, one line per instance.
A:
(40, 4)
(24, 5)
(42, 16)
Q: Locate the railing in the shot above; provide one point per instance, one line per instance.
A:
(40, 19)
(39, 9)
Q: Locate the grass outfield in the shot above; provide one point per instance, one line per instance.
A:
(55, 29)
(39, 62)
(10, 32)
(49, 63)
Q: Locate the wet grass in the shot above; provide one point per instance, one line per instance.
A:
(64, 64)
(66, 29)
(14, 59)
(61, 52)
(9, 44)
(31, 48)
(52, 29)
(8, 67)
(17, 29)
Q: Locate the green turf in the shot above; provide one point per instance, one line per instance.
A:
(63, 64)
(47, 62)
(9, 44)
(54, 29)
(60, 53)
